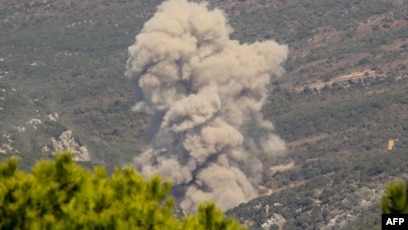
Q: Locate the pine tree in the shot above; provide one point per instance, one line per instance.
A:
(61, 195)
(395, 199)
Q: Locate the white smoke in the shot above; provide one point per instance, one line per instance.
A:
(205, 92)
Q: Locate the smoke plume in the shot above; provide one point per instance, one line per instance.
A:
(205, 92)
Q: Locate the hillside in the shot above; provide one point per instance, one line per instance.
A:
(70, 62)
(341, 106)
(344, 144)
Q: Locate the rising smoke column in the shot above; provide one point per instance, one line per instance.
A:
(205, 92)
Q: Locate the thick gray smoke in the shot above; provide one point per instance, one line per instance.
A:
(205, 93)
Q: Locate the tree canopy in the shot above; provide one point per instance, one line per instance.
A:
(395, 199)
(62, 195)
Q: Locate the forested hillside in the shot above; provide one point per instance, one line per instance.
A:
(341, 106)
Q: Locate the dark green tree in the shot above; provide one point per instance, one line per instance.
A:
(61, 195)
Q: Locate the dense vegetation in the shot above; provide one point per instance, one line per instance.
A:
(61, 195)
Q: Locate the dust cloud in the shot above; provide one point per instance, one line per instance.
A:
(205, 92)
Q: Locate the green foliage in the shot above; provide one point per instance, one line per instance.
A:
(395, 199)
(61, 195)
(210, 218)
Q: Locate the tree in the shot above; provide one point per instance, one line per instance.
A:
(395, 199)
(61, 195)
